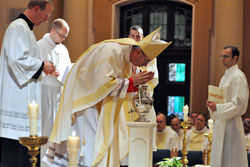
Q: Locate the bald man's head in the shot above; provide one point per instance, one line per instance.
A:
(175, 124)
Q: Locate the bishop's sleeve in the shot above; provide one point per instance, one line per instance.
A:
(237, 104)
(22, 53)
(121, 89)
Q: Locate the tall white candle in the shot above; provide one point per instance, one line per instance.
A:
(33, 114)
(210, 125)
(73, 147)
(185, 113)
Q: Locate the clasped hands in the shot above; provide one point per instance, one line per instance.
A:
(142, 77)
(50, 69)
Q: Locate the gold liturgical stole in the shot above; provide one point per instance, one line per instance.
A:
(196, 142)
(161, 139)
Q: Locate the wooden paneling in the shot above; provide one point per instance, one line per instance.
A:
(102, 19)
(246, 48)
(200, 54)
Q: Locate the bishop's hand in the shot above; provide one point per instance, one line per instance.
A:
(142, 77)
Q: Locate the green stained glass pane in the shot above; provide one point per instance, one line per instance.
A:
(177, 72)
(175, 105)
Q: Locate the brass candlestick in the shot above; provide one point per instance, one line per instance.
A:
(185, 125)
(210, 138)
(33, 143)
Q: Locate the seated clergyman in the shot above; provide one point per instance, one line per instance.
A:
(166, 138)
(195, 136)
(176, 126)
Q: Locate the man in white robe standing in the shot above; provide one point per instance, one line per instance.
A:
(228, 147)
(53, 50)
(98, 83)
(20, 74)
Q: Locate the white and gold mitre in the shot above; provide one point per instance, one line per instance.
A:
(151, 45)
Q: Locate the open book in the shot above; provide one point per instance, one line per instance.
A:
(216, 94)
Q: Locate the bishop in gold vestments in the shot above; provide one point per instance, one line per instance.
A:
(98, 82)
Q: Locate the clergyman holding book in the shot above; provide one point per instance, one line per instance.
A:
(228, 146)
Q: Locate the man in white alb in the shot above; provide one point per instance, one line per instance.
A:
(20, 74)
(53, 50)
(228, 147)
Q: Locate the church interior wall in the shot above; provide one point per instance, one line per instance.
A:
(227, 30)
(76, 14)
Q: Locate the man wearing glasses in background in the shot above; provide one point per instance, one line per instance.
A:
(228, 147)
(53, 50)
(195, 136)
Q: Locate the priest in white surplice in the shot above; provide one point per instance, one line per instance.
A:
(228, 148)
(53, 50)
(20, 73)
(93, 95)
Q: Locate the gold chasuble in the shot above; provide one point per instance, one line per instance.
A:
(161, 139)
(93, 77)
(196, 139)
(196, 142)
(78, 94)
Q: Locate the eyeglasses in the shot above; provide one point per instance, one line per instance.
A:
(200, 120)
(61, 35)
(159, 122)
(224, 56)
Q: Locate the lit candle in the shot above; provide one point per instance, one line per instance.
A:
(185, 113)
(73, 147)
(210, 125)
(33, 114)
